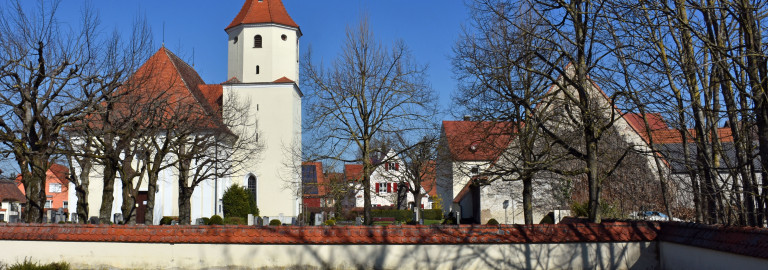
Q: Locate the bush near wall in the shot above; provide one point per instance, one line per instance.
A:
(216, 220)
(238, 202)
(166, 220)
(234, 221)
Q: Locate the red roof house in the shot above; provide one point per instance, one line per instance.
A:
(56, 188)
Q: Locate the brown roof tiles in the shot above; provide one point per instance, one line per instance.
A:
(263, 11)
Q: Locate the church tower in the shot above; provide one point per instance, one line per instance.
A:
(263, 70)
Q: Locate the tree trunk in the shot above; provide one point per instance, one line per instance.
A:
(152, 177)
(185, 208)
(34, 185)
(107, 195)
(417, 203)
(185, 191)
(527, 199)
(81, 191)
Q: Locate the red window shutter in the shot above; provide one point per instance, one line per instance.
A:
(397, 166)
(389, 187)
(394, 186)
(386, 166)
(377, 187)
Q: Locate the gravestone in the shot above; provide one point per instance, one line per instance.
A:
(93, 220)
(319, 219)
(118, 218)
(250, 220)
(200, 221)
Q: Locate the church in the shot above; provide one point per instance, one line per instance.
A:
(263, 68)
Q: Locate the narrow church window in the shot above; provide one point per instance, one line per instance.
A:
(257, 69)
(257, 41)
(235, 40)
(252, 185)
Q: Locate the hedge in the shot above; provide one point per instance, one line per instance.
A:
(399, 215)
(436, 214)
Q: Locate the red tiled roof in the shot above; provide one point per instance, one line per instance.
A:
(9, 191)
(213, 93)
(655, 121)
(323, 235)
(477, 140)
(232, 80)
(669, 136)
(284, 80)
(165, 76)
(353, 172)
(263, 11)
(429, 182)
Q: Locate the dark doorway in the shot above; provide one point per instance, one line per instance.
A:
(141, 199)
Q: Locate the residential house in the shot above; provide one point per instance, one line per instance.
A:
(11, 199)
(473, 172)
(389, 183)
(56, 189)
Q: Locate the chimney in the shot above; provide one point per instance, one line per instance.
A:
(467, 118)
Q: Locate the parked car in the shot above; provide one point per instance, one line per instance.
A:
(652, 216)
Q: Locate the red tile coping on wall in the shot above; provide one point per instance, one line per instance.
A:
(748, 241)
(406, 234)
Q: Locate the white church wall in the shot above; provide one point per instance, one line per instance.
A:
(276, 58)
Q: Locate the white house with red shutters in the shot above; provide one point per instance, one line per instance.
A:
(387, 183)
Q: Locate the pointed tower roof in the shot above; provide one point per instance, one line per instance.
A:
(263, 11)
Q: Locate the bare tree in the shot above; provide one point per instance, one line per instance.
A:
(369, 91)
(52, 76)
(214, 146)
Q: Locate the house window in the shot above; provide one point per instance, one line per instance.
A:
(475, 170)
(66, 205)
(392, 166)
(257, 41)
(48, 204)
(252, 186)
(54, 188)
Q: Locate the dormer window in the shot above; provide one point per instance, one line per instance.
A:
(257, 41)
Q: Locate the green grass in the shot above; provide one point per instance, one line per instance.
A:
(30, 265)
(433, 221)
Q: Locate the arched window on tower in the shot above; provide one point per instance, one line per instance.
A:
(252, 186)
(257, 41)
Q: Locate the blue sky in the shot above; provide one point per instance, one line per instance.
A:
(428, 27)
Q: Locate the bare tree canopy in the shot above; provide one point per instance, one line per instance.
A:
(370, 90)
(52, 75)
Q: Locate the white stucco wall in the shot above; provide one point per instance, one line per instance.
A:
(98, 255)
(276, 58)
(677, 256)
(277, 110)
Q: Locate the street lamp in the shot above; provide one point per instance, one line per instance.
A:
(506, 204)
